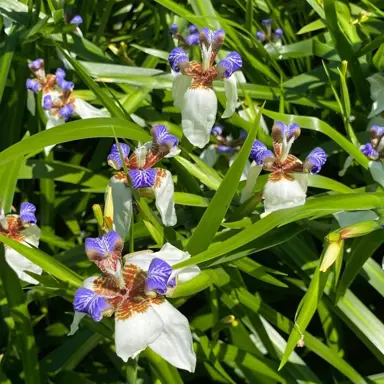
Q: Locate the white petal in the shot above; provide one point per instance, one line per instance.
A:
(247, 166)
(180, 85)
(174, 151)
(7, 22)
(377, 171)
(87, 111)
(230, 86)
(118, 206)
(284, 193)
(253, 173)
(78, 316)
(19, 264)
(32, 235)
(31, 102)
(164, 199)
(198, 115)
(209, 155)
(175, 342)
(135, 333)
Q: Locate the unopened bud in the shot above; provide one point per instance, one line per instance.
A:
(98, 215)
(359, 229)
(230, 320)
(344, 67)
(332, 252)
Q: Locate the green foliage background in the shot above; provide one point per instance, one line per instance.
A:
(264, 273)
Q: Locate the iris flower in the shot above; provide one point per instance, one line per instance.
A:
(192, 89)
(23, 229)
(374, 150)
(57, 98)
(288, 181)
(133, 288)
(271, 39)
(141, 175)
(226, 146)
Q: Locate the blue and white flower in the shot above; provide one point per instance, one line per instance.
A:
(134, 292)
(226, 146)
(23, 229)
(142, 177)
(374, 150)
(271, 39)
(57, 98)
(192, 89)
(287, 184)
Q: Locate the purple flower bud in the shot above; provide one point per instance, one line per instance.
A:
(192, 28)
(47, 102)
(259, 152)
(369, 151)
(67, 111)
(266, 22)
(231, 64)
(260, 36)
(217, 130)
(192, 39)
(33, 85)
(278, 33)
(173, 29)
(76, 20)
(315, 160)
(36, 65)
(176, 57)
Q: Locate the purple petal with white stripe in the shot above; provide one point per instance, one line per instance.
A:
(33, 85)
(67, 111)
(159, 273)
(292, 130)
(27, 213)
(76, 20)
(142, 178)
(206, 35)
(114, 159)
(108, 245)
(163, 138)
(60, 73)
(369, 151)
(315, 160)
(89, 302)
(231, 63)
(176, 57)
(259, 152)
(192, 39)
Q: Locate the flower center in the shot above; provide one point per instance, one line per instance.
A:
(15, 226)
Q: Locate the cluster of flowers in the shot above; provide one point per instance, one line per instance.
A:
(57, 99)
(271, 39)
(134, 288)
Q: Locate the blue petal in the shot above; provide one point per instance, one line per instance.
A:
(266, 22)
(377, 131)
(76, 20)
(192, 39)
(114, 158)
(217, 130)
(278, 33)
(67, 111)
(225, 149)
(103, 246)
(192, 28)
(260, 36)
(163, 138)
(207, 35)
(142, 178)
(36, 65)
(173, 29)
(33, 85)
(259, 152)
(176, 57)
(231, 63)
(27, 213)
(47, 102)
(369, 151)
(87, 301)
(315, 160)
(65, 85)
(60, 73)
(159, 273)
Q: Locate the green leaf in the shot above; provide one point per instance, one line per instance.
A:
(76, 130)
(23, 329)
(217, 208)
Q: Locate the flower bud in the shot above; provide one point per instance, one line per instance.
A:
(333, 251)
(359, 229)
